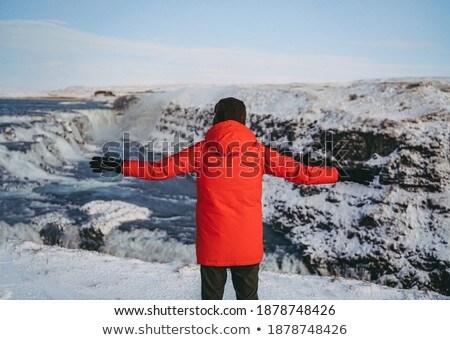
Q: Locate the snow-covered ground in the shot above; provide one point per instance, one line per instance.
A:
(32, 271)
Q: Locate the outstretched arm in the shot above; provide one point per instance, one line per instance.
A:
(276, 164)
(186, 161)
(359, 173)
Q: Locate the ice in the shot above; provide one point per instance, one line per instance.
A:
(72, 102)
(56, 140)
(102, 126)
(151, 246)
(108, 215)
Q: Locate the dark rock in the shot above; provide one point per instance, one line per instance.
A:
(51, 234)
(369, 221)
(124, 102)
(441, 204)
(334, 197)
(440, 281)
(269, 128)
(91, 239)
(104, 93)
(9, 133)
(412, 86)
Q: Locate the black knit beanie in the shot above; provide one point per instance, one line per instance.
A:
(230, 109)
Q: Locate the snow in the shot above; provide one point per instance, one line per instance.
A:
(108, 215)
(32, 271)
(73, 92)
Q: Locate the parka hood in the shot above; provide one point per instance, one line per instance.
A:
(229, 136)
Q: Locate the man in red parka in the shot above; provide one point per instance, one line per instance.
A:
(229, 164)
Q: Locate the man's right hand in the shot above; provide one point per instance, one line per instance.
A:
(106, 164)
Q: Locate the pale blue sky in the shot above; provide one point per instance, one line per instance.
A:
(52, 44)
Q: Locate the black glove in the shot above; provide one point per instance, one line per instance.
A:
(311, 159)
(358, 175)
(106, 164)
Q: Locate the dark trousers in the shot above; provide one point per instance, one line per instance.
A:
(245, 282)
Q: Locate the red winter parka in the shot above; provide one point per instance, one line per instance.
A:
(229, 164)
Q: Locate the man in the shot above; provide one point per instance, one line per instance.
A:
(229, 164)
